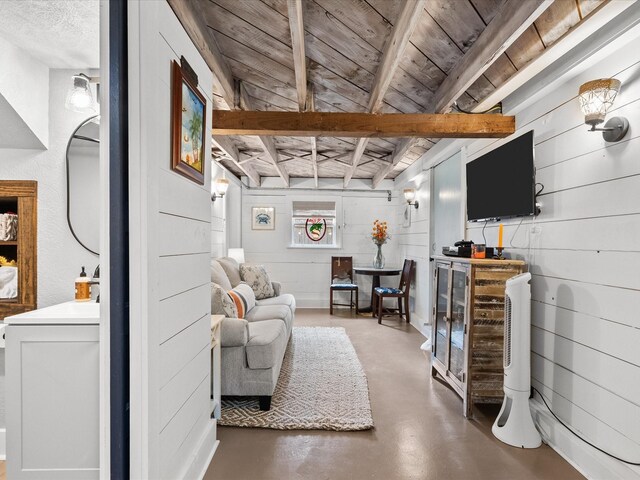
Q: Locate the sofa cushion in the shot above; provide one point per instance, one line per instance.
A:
(257, 278)
(221, 303)
(244, 299)
(268, 312)
(285, 299)
(271, 312)
(267, 343)
(232, 269)
(219, 276)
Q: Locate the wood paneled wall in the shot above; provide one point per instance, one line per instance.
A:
(219, 217)
(583, 252)
(306, 273)
(173, 435)
(413, 243)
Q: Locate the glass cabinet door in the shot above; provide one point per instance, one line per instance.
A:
(458, 310)
(442, 290)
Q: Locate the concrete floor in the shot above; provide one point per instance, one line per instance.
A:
(420, 432)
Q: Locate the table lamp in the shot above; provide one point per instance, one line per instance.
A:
(237, 254)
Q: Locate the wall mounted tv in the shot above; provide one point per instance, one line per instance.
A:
(501, 183)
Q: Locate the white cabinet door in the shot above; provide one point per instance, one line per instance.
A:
(52, 402)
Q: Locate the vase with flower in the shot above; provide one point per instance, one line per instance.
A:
(380, 236)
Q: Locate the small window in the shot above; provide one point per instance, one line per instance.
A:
(313, 224)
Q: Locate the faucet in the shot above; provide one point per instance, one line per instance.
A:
(96, 275)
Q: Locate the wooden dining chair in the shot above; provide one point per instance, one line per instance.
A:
(342, 281)
(401, 293)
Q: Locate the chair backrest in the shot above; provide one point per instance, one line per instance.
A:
(341, 268)
(408, 271)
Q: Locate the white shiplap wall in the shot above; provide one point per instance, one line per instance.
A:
(583, 251)
(584, 255)
(306, 273)
(413, 243)
(218, 216)
(172, 435)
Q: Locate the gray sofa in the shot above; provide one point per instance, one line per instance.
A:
(253, 348)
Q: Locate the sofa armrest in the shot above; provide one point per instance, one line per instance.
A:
(277, 286)
(234, 332)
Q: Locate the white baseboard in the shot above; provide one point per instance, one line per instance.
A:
(587, 460)
(3, 443)
(311, 302)
(421, 325)
(201, 460)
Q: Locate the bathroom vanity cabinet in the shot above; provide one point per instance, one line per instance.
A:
(21, 197)
(52, 395)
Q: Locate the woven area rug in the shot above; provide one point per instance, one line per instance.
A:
(321, 387)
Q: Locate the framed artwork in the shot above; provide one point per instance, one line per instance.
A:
(188, 125)
(263, 218)
(406, 217)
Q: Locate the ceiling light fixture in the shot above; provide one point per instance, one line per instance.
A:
(596, 98)
(410, 197)
(80, 97)
(221, 186)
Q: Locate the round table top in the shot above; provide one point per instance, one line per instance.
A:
(377, 271)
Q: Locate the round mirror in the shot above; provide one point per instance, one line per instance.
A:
(83, 184)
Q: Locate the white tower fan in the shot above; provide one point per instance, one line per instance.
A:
(514, 425)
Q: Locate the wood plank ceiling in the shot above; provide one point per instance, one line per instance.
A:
(356, 61)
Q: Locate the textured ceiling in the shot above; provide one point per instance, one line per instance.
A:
(58, 33)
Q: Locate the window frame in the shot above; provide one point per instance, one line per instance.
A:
(337, 234)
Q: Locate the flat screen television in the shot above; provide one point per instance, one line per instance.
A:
(501, 183)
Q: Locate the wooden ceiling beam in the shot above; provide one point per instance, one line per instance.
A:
(267, 143)
(393, 50)
(334, 157)
(296, 26)
(226, 145)
(251, 158)
(402, 148)
(305, 92)
(514, 17)
(341, 124)
(191, 17)
(510, 22)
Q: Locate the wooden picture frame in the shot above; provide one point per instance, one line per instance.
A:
(263, 218)
(188, 126)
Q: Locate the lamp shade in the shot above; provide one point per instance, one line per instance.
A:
(596, 98)
(409, 194)
(79, 96)
(237, 254)
(221, 186)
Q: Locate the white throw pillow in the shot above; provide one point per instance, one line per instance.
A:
(243, 298)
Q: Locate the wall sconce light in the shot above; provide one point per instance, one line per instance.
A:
(596, 98)
(410, 197)
(80, 97)
(221, 185)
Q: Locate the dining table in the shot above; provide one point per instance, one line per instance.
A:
(375, 273)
